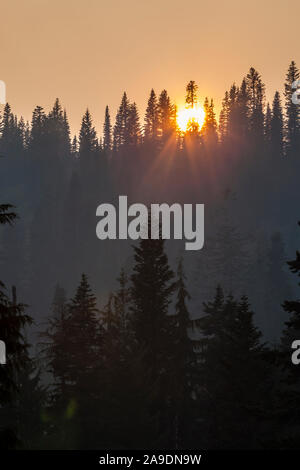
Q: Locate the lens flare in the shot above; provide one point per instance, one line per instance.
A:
(185, 115)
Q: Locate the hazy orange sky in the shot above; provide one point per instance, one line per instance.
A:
(88, 53)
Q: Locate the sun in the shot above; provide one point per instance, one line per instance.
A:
(185, 115)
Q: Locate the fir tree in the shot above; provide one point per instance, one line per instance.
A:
(166, 116)
(151, 119)
(277, 127)
(292, 112)
(120, 128)
(107, 137)
(191, 94)
(87, 137)
(256, 94)
(224, 117)
(133, 134)
(182, 365)
(231, 373)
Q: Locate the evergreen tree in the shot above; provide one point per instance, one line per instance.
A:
(54, 343)
(268, 120)
(224, 117)
(151, 291)
(120, 128)
(191, 94)
(87, 137)
(151, 119)
(209, 129)
(232, 373)
(182, 365)
(13, 320)
(243, 111)
(107, 138)
(166, 117)
(133, 134)
(277, 127)
(292, 112)
(256, 93)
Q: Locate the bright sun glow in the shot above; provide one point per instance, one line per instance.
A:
(185, 115)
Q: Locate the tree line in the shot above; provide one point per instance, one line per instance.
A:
(141, 373)
(136, 362)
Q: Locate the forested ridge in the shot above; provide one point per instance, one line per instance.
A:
(142, 345)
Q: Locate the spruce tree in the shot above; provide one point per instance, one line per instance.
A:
(232, 371)
(292, 112)
(13, 320)
(133, 132)
(151, 291)
(151, 119)
(256, 93)
(87, 137)
(182, 365)
(120, 127)
(191, 94)
(277, 127)
(166, 117)
(107, 137)
(224, 116)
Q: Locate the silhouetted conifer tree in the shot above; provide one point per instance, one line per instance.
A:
(151, 119)
(107, 137)
(292, 112)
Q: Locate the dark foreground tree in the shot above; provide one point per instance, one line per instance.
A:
(231, 375)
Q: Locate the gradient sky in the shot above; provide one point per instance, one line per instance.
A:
(88, 52)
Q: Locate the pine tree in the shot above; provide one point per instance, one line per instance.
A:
(231, 372)
(277, 127)
(133, 134)
(151, 291)
(268, 120)
(87, 137)
(107, 138)
(13, 320)
(151, 119)
(209, 129)
(38, 131)
(243, 110)
(224, 117)
(182, 365)
(54, 342)
(120, 136)
(292, 112)
(191, 94)
(256, 93)
(152, 287)
(83, 339)
(58, 131)
(233, 114)
(166, 117)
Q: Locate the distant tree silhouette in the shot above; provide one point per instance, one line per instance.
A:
(151, 119)
(292, 112)
(107, 137)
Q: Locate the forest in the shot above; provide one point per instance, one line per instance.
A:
(125, 344)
